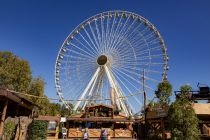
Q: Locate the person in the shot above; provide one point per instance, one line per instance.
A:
(103, 134)
(86, 135)
(108, 137)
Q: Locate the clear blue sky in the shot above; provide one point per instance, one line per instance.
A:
(35, 30)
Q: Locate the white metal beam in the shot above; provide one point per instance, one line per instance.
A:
(117, 90)
(91, 91)
(112, 85)
(86, 89)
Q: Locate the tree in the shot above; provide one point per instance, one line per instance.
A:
(36, 88)
(38, 130)
(55, 109)
(164, 92)
(66, 111)
(183, 121)
(15, 73)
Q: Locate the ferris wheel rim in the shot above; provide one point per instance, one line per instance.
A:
(107, 13)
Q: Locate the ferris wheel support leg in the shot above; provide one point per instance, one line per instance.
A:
(113, 86)
(91, 91)
(111, 80)
(86, 89)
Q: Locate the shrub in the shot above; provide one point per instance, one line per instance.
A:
(38, 130)
(9, 128)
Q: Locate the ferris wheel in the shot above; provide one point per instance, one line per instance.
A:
(104, 58)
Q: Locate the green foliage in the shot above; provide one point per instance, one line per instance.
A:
(183, 120)
(9, 128)
(38, 130)
(15, 73)
(65, 111)
(164, 92)
(36, 88)
(55, 109)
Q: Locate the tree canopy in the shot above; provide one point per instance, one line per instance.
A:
(183, 120)
(15, 73)
(164, 92)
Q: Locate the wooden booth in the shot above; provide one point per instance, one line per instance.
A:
(97, 117)
(12, 104)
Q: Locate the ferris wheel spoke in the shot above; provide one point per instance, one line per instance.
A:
(140, 75)
(102, 32)
(98, 34)
(86, 52)
(127, 34)
(135, 33)
(145, 42)
(107, 32)
(94, 36)
(93, 49)
(91, 40)
(148, 50)
(123, 35)
(80, 54)
(134, 79)
(111, 32)
(144, 58)
(120, 74)
(147, 38)
(129, 91)
(119, 32)
(141, 70)
(150, 57)
(120, 35)
(115, 33)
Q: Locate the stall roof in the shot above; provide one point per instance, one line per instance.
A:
(90, 106)
(16, 97)
(49, 118)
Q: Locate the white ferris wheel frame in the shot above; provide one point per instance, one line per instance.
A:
(120, 97)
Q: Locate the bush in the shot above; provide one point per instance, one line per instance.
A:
(9, 128)
(38, 130)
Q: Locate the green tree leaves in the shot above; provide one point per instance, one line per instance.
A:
(164, 92)
(9, 128)
(38, 130)
(183, 120)
(15, 73)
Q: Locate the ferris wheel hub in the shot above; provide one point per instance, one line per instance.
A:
(102, 60)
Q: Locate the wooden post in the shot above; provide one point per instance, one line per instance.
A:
(163, 129)
(145, 104)
(3, 117)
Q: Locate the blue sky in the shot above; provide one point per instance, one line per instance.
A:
(35, 30)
